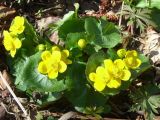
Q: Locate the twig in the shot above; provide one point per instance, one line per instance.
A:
(6, 109)
(120, 18)
(14, 96)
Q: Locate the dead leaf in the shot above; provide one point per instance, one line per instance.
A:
(7, 77)
(150, 45)
(2, 112)
(43, 23)
(67, 115)
(6, 13)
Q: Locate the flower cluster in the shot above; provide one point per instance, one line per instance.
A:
(130, 58)
(54, 62)
(11, 41)
(113, 72)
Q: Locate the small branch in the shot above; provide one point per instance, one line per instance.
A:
(6, 109)
(14, 96)
(120, 18)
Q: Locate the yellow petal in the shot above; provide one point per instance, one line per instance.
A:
(42, 68)
(55, 48)
(45, 55)
(62, 67)
(8, 44)
(99, 86)
(139, 62)
(8, 41)
(132, 62)
(17, 43)
(119, 63)
(13, 52)
(19, 20)
(114, 83)
(121, 53)
(17, 26)
(56, 55)
(126, 75)
(52, 74)
(131, 53)
(92, 76)
(6, 34)
(108, 63)
(100, 70)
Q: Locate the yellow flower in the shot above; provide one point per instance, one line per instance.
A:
(11, 43)
(53, 62)
(110, 75)
(17, 26)
(82, 43)
(117, 72)
(100, 78)
(121, 53)
(131, 59)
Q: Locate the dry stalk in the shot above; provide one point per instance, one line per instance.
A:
(120, 18)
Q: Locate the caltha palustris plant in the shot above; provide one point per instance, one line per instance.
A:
(79, 70)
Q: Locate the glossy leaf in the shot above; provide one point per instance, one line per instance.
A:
(69, 27)
(80, 93)
(102, 33)
(148, 3)
(73, 38)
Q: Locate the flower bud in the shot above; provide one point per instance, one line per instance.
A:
(121, 53)
(41, 47)
(82, 43)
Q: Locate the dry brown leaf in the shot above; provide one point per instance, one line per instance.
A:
(8, 79)
(2, 112)
(151, 45)
(6, 13)
(43, 23)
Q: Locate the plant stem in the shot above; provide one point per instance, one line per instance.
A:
(120, 19)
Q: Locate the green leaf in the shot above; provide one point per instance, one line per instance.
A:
(94, 61)
(48, 98)
(30, 39)
(30, 32)
(152, 4)
(112, 54)
(146, 98)
(102, 33)
(69, 27)
(33, 79)
(92, 26)
(80, 93)
(73, 38)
